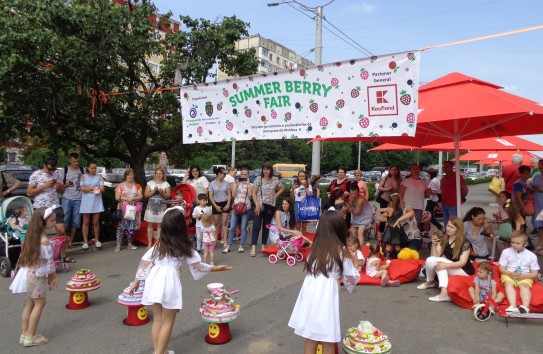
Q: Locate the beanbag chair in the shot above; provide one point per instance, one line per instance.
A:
(458, 290)
(402, 270)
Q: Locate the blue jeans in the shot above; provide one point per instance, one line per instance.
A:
(234, 224)
(71, 213)
(448, 212)
(258, 221)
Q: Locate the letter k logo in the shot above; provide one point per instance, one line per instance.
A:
(380, 95)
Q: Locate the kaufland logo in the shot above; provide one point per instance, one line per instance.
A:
(382, 100)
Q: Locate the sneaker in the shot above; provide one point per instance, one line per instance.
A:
(98, 244)
(212, 264)
(512, 309)
(385, 281)
(394, 283)
(118, 248)
(523, 309)
(131, 247)
(241, 250)
(85, 246)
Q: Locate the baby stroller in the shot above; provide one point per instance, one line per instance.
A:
(11, 240)
(56, 243)
(289, 247)
(189, 197)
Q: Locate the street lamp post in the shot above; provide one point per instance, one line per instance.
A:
(316, 148)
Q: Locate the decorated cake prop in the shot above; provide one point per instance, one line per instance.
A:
(137, 313)
(366, 339)
(219, 310)
(81, 283)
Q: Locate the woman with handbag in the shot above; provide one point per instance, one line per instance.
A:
(265, 191)
(129, 195)
(220, 196)
(242, 204)
(388, 185)
(92, 187)
(298, 191)
(156, 191)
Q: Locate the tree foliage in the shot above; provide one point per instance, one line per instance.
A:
(61, 61)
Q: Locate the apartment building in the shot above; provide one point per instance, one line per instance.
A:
(272, 55)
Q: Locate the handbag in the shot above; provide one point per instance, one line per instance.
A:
(309, 208)
(117, 214)
(495, 186)
(130, 212)
(380, 193)
(529, 205)
(241, 207)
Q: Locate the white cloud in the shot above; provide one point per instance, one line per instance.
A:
(362, 8)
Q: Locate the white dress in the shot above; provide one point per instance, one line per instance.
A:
(162, 278)
(316, 313)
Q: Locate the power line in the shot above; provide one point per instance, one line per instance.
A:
(364, 51)
(352, 40)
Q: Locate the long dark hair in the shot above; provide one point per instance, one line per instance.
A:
(174, 238)
(192, 167)
(473, 212)
(30, 254)
(330, 240)
(335, 195)
(292, 218)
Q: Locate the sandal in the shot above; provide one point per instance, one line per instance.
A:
(253, 251)
(226, 250)
(68, 260)
(71, 245)
(38, 339)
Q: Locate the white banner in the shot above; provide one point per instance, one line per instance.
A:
(359, 97)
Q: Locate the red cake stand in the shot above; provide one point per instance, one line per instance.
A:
(218, 332)
(79, 299)
(136, 315)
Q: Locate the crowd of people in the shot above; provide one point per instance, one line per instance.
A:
(402, 216)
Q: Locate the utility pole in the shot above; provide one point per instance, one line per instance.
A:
(316, 148)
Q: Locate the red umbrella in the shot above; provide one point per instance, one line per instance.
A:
(502, 156)
(457, 107)
(495, 144)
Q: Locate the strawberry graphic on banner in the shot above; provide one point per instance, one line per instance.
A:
(354, 97)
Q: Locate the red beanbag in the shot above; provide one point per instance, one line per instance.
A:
(458, 291)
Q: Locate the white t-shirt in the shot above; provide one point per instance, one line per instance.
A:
(511, 259)
(229, 179)
(435, 185)
(360, 257)
(199, 184)
(414, 193)
(199, 210)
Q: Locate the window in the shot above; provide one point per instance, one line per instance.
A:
(155, 68)
(271, 57)
(277, 60)
(265, 52)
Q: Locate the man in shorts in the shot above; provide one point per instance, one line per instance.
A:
(45, 185)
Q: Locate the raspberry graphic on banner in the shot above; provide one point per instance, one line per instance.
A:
(314, 107)
(364, 74)
(229, 125)
(405, 98)
(323, 122)
(288, 116)
(363, 122)
(355, 92)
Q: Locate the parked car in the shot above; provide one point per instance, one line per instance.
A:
(116, 175)
(20, 172)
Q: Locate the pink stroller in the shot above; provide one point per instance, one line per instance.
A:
(289, 247)
(57, 243)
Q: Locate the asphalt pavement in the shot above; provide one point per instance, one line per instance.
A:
(267, 295)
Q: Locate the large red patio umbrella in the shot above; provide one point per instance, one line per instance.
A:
(503, 156)
(514, 143)
(458, 107)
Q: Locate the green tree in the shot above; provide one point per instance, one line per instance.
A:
(58, 58)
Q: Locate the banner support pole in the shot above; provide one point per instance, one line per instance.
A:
(316, 147)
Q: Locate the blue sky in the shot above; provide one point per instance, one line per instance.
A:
(514, 62)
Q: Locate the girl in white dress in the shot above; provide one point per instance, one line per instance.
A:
(159, 267)
(36, 275)
(316, 313)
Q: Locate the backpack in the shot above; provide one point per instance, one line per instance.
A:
(66, 172)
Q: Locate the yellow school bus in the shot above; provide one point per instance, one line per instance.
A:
(288, 170)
